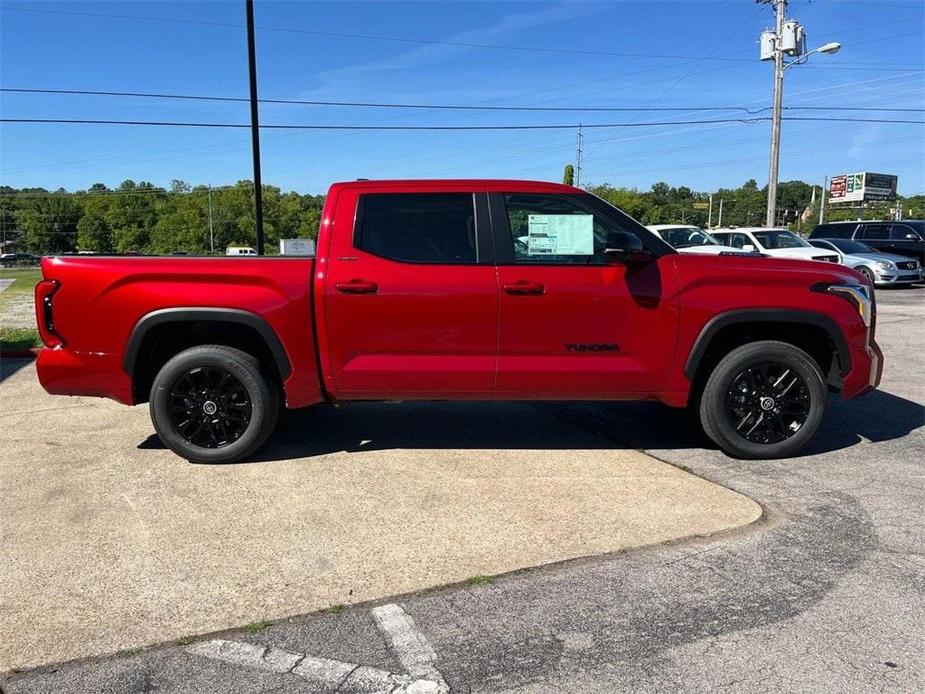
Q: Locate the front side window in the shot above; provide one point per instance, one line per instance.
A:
(903, 232)
(436, 228)
(739, 241)
(556, 229)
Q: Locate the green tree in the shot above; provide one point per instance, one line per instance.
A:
(93, 230)
(568, 178)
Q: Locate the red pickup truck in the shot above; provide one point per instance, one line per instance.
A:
(466, 289)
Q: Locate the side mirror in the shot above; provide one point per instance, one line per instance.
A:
(748, 248)
(626, 248)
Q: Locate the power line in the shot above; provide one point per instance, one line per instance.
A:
(448, 107)
(377, 37)
(408, 39)
(554, 126)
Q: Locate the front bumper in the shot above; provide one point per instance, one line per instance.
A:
(885, 278)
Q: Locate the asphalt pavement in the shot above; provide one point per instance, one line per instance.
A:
(825, 593)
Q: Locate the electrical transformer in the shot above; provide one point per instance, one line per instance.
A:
(793, 39)
(767, 44)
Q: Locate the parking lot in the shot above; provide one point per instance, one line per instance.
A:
(113, 544)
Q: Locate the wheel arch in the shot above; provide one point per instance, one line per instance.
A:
(810, 326)
(233, 327)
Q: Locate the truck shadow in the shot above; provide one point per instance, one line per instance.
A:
(373, 426)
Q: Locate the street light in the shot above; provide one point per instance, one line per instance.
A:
(774, 44)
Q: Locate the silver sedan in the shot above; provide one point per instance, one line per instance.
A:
(882, 269)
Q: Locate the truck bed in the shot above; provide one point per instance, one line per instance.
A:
(100, 300)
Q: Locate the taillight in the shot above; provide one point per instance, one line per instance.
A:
(44, 316)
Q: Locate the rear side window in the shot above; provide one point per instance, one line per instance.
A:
(874, 232)
(833, 231)
(436, 228)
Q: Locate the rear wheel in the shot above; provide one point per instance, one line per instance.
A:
(763, 400)
(212, 404)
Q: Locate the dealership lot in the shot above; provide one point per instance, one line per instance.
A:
(825, 592)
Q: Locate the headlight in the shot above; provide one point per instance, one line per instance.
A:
(857, 294)
(885, 264)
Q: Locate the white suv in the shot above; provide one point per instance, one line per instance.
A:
(778, 243)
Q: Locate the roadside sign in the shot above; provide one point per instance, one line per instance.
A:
(701, 205)
(862, 187)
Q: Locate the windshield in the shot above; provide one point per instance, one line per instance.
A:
(849, 247)
(685, 237)
(779, 238)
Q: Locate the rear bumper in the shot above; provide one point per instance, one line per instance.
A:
(65, 372)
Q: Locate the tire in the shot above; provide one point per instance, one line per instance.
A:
(212, 404)
(867, 273)
(763, 400)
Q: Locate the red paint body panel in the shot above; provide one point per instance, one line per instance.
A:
(101, 299)
(440, 331)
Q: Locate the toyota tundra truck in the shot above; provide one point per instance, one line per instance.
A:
(460, 290)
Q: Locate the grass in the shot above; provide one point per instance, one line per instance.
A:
(131, 652)
(478, 580)
(185, 640)
(18, 338)
(335, 609)
(24, 281)
(257, 627)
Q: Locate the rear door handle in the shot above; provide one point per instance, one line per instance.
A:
(357, 287)
(524, 288)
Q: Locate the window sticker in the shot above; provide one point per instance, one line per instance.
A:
(560, 234)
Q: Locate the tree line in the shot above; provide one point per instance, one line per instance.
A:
(144, 218)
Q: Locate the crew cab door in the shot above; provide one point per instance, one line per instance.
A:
(411, 297)
(573, 324)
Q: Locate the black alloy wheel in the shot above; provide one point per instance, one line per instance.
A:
(209, 407)
(214, 404)
(767, 403)
(764, 399)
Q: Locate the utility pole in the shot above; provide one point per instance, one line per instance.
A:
(255, 125)
(719, 222)
(578, 159)
(825, 184)
(780, 8)
(710, 213)
(211, 235)
(788, 38)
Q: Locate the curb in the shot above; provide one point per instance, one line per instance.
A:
(20, 353)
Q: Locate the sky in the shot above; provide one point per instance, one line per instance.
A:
(693, 56)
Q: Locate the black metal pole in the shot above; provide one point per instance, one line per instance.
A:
(255, 125)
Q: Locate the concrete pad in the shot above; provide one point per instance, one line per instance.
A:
(111, 542)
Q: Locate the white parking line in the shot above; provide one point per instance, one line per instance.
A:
(409, 645)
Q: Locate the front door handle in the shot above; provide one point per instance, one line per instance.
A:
(357, 287)
(525, 288)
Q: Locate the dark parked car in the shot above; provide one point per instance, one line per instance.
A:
(906, 237)
(13, 259)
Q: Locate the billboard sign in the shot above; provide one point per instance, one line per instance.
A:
(862, 187)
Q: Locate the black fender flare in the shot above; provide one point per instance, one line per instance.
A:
(767, 315)
(193, 314)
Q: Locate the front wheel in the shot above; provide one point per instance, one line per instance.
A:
(212, 404)
(763, 400)
(867, 274)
